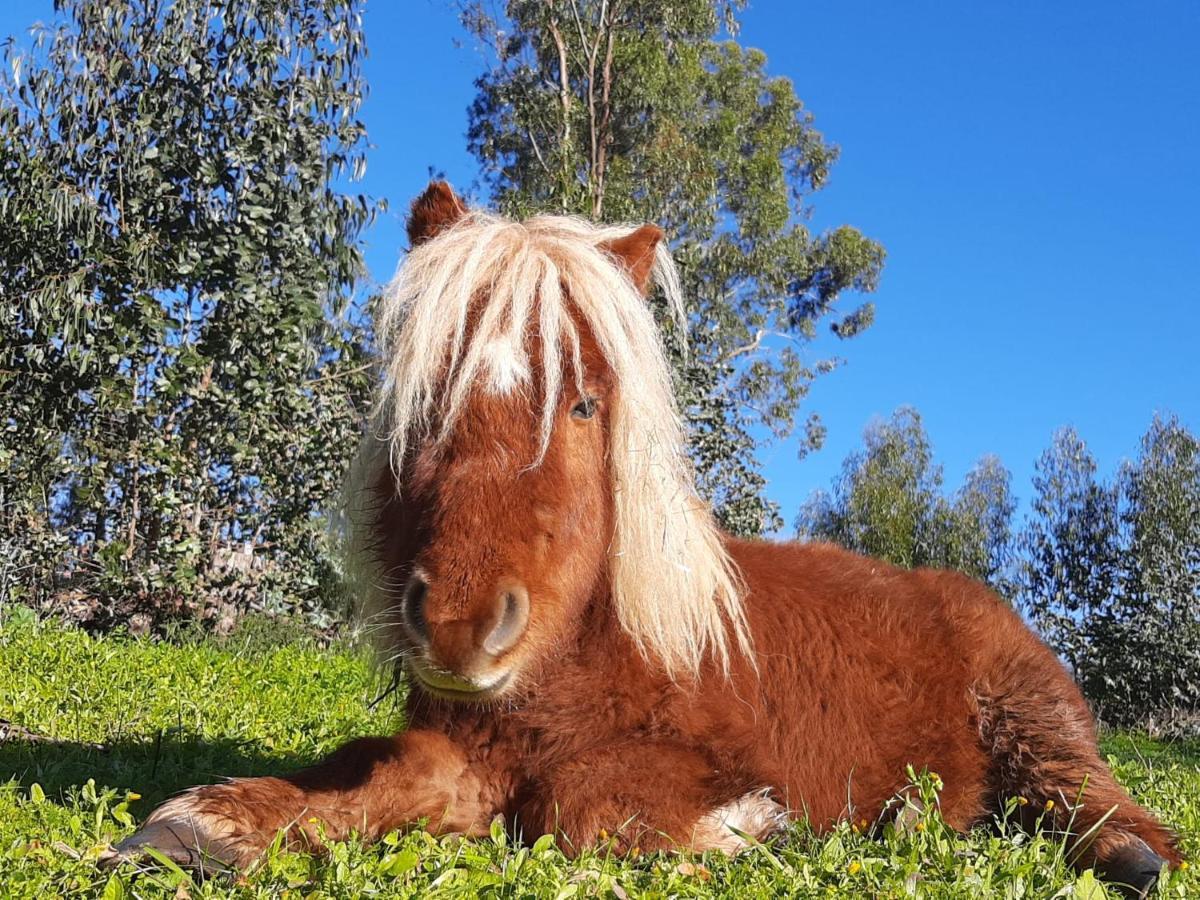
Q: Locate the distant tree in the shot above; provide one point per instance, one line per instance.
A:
(1155, 663)
(1071, 558)
(181, 385)
(1110, 573)
(889, 503)
(637, 110)
(979, 540)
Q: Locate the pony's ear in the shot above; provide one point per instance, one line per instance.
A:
(433, 212)
(635, 254)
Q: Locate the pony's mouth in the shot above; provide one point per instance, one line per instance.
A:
(449, 686)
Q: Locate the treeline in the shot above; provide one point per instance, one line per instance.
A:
(1107, 570)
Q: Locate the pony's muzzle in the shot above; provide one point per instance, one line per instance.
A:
(412, 607)
(511, 614)
(464, 650)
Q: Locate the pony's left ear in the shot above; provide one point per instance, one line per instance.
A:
(635, 254)
(433, 212)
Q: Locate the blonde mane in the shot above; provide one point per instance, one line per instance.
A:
(675, 589)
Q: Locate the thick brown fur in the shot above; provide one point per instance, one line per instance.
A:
(859, 670)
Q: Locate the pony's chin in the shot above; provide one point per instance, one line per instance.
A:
(459, 690)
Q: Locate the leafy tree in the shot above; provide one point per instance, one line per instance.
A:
(181, 382)
(889, 503)
(979, 536)
(1071, 558)
(1153, 662)
(638, 110)
(1110, 573)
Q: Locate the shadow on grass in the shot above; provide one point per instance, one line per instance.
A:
(155, 768)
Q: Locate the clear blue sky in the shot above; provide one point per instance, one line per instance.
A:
(1030, 167)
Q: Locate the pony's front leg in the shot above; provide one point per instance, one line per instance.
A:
(654, 795)
(370, 786)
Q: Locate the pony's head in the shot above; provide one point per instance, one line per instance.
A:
(528, 456)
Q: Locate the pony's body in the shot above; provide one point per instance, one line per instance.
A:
(589, 654)
(863, 670)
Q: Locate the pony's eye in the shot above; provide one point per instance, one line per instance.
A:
(584, 409)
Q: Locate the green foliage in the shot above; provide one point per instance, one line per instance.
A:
(1111, 573)
(639, 111)
(1070, 558)
(1161, 599)
(889, 504)
(207, 709)
(182, 386)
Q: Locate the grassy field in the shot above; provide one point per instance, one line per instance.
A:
(106, 728)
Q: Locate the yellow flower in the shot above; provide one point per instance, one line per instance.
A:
(133, 795)
(920, 826)
(1049, 805)
(603, 834)
(1183, 866)
(854, 868)
(313, 820)
(635, 852)
(1022, 801)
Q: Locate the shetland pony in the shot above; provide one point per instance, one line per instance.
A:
(589, 653)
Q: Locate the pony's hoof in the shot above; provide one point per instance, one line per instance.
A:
(740, 823)
(1133, 870)
(189, 836)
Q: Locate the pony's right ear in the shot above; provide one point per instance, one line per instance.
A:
(635, 254)
(433, 212)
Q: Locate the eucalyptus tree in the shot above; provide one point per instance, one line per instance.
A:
(890, 503)
(1154, 656)
(181, 382)
(1071, 558)
(649, 110)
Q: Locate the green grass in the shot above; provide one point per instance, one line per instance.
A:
(172, 715)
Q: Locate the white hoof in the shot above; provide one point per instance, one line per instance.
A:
(740, 823)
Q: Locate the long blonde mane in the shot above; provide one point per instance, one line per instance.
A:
(675, 589)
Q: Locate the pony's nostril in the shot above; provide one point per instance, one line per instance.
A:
(512, 617)
(413, 607)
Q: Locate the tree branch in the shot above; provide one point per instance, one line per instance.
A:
(564, 94)
(747, 348)
(605, 128)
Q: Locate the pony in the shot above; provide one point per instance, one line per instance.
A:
(589, 654)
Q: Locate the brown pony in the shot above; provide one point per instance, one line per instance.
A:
(588, 652)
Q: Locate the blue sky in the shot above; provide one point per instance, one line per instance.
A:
(1030, 168)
